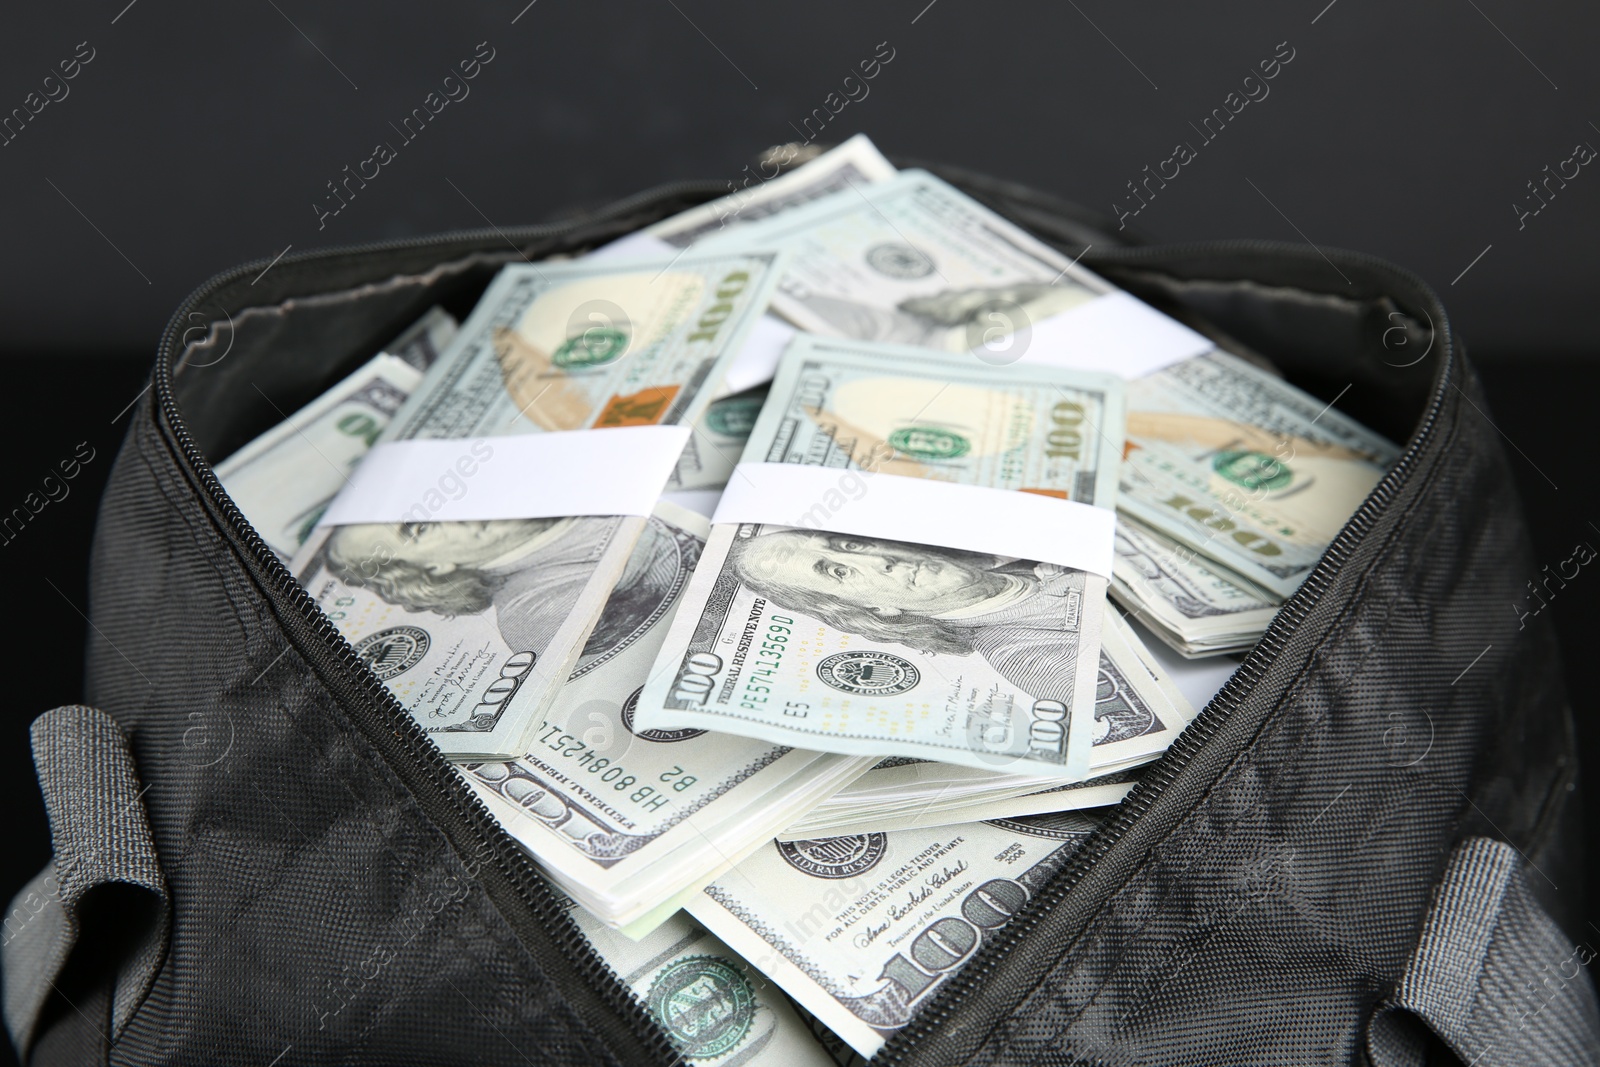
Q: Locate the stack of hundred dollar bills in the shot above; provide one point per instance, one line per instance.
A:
(776, 755)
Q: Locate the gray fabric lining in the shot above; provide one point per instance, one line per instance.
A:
(1492, 977)
(100, 836)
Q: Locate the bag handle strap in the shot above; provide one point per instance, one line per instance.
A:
(104, 852)
(1493, 979)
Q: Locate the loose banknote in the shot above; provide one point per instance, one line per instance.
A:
(873, 647)
(475, 625)
(284, 479)
(914, 261)
(864, 930)
(711, 1003)
(623, 817)
(853, 164)
(1244, 468)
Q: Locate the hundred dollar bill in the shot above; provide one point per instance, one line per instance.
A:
(914, 261)
(863, 930)
(475, 625)
(1138, 713)
(1195, 606)
(283, 480)
(576, 346)
(721, 430)
(708, 1000)
(872, 647)
(1245, 468)
(622, 816)
(855, 163)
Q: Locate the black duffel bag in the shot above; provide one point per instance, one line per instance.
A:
(1351, 855)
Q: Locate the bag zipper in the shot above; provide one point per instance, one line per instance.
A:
(919, 1035)
(506, 872)
(410, 754)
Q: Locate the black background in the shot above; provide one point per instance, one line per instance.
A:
(200, 136)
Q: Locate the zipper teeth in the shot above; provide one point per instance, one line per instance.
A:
(1152, 784)
(539, 900)
(526, 882)
(500, 845)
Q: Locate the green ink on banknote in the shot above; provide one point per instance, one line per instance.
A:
(591, 348)
(929, 443)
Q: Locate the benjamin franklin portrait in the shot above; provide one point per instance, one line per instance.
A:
(530, 571)
(964, 314)
(1017, 615)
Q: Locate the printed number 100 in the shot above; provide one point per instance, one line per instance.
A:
(694, 684)
(949, 942)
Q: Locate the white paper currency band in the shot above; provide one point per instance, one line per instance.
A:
(531, 476)
(1115, 334)
(976, 518)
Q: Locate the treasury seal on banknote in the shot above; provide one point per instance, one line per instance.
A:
(869, 673)
(705, 1003)
(393, 651)
(894, 259)
(835, 857)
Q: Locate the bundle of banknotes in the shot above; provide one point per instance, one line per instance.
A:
(762, 756)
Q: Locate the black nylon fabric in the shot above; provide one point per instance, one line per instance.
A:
(317, 916)
(1265, 925)
(327, 909)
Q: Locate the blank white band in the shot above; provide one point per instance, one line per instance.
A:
(1114, 334)
(530, 476)
(1000, 522)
